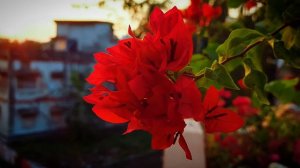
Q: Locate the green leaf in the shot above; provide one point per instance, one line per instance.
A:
(210, 50)
(219, 74)
(186, 69)
(256, 81)
(206, 83)
(236, 25)
(297, 38)
(288, 37)
(199, 62)
(283, 89)
(255, 55)
(233, 64)
(290, 56)
(237, 41)
(235, 3)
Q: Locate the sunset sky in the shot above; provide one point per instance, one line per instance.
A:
(34, 19)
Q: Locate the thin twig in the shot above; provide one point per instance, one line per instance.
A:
(249, 47)
(243, 52)
(279, 29)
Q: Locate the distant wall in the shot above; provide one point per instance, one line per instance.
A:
(90, 38)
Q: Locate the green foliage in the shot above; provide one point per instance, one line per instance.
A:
(206, 83)
(290, 56)
(276, 22)
(235, 3)
(284, 90)
(255, 55)
(289, 37)
(77, 81)
(210, 50)
(237, 41)
(255, 80)
(199, 62)
(220, 75)
(297, 38)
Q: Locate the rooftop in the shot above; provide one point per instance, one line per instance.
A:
(81, 22)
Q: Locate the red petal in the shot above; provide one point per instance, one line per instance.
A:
(217, 12)
(108, 115)
(211, 98)
(156, 105)
(222, 120)
(130, 32)
(242, 84)
(190, 101)
(185, 147)
(161, 141)
(170, 31)
(101, 73)
(250, 4)
(207, 10)
(91, 98)
(241, 100)
(98, 94)
(155, 18)
(134, 124)
(139, 87)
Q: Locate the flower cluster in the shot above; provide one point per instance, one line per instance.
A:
(202, 14)
(132, 84)
(250, 4)
(243, 105)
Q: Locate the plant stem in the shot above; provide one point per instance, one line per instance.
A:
(242, 54)
(279, 29)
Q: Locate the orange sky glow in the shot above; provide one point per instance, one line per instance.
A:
(34, 19)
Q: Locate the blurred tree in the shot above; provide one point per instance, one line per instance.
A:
(138, 9)
(143, 8)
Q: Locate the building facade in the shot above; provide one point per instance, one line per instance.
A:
(36, 90)
(37, 97)
(85, 36)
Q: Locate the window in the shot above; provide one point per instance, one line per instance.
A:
(27, 79)
(28, 117)
(60, 45)
(57, 75)
(4, 81)
(27, 113)
(57, 114)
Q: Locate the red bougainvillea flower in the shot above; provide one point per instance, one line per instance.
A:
(194, 12)
(243, 105)
(226, 94)
(131, 85)
(209, 13)
(231, 143)
(297, 151)
(250, 4)
(164, 111)
(201, 14)
(218, 119)
(170, 32)
(242, 84)
(274, 157)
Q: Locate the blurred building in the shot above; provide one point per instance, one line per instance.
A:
(84, 36)
(35, 84)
